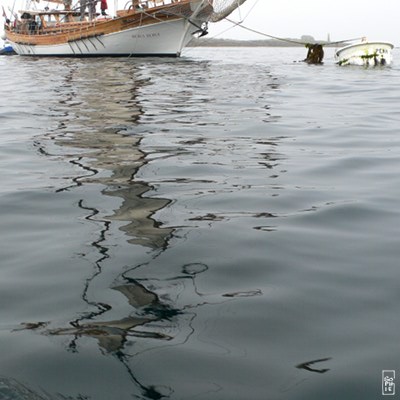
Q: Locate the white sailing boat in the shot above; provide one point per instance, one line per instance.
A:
(365, 54)
(141, 28)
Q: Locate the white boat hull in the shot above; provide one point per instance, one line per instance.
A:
(365, 54)
(159, 39)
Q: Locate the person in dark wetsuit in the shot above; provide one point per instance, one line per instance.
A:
(315, 53)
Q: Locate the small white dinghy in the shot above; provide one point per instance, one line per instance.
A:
(365, 54)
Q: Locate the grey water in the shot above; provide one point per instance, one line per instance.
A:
(225, 225)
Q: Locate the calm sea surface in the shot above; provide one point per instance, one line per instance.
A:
(221, 226)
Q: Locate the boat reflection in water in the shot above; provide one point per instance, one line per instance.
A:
(97, 131)
(97, 118)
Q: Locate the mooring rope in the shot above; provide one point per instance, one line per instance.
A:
(239, 24)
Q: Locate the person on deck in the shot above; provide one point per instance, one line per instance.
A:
(92, 9)
(103, 7)
(91, 5)
(67, 5)
(136, 4)
(83, 4)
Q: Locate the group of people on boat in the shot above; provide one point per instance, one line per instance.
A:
(90, 5)
(31, 23)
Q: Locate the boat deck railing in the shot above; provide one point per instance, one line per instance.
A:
(50, 22)
(157, 3)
